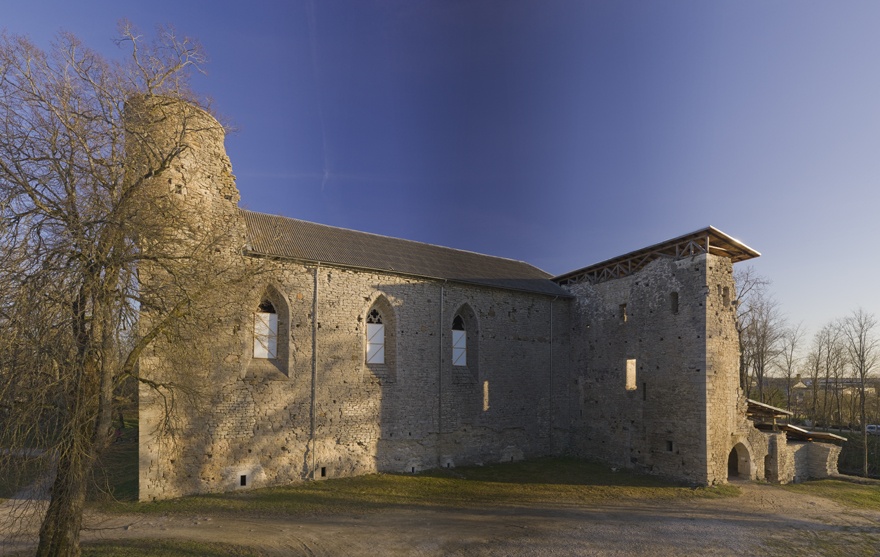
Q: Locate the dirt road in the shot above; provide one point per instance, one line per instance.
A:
(764, 520)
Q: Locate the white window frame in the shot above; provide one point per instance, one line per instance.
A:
(459, 348)
(265, 335)
(375, 338)
(375, 343)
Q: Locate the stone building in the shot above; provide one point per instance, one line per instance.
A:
(350, 353)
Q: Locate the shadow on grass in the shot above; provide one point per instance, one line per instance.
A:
(165, 548)
(552, 471)
(545, 481)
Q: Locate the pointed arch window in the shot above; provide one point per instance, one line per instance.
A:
(459, 342)
(375, 338)
(266, 331)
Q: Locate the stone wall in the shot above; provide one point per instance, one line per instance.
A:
(684, 413)
(797, 461)
(813, 460)
(325, 413)
(726, 423)
(657, 318)
(780, 463)
(639, 371)
(823, 460)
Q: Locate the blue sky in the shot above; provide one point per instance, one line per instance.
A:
(561, 133)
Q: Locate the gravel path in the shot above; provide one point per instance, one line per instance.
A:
(764, 520)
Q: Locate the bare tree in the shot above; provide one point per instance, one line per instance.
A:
(761, 328)
(814, 364)
(835, 370)
(749, 285)
(863, 350)
(87, 147)
(789, 357)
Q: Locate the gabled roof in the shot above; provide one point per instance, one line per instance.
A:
(299, 240)
(707, 240)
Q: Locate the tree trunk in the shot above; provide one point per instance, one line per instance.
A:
(88, 394)
(864, 429)
(59, 533)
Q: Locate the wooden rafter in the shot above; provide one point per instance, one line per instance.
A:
(708, 240)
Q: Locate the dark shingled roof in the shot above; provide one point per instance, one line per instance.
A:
(289, 238)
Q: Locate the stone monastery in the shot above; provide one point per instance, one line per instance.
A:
(357, 353)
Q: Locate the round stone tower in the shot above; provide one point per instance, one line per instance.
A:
(175, 156)
(183, 214)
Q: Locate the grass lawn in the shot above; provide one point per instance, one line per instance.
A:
(850, 494)
(552, 481)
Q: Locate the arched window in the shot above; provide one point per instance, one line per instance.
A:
(375, 338)
(464, 348)
(459, 342)
(266, 331)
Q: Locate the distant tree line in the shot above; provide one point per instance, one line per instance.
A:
(828, 381)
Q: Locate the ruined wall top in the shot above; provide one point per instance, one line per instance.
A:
(184, 144)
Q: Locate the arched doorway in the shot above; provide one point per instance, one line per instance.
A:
(739, 463)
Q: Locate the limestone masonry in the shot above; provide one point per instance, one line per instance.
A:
(347, 353)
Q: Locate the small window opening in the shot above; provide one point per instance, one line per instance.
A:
(631, 375)
(621, 312)
(323, 471)
(644, 391)
(243, 480)
(673, 302)
(669, 446)
(485, 396)
(413, 470)
(725, 296)
(459, 342)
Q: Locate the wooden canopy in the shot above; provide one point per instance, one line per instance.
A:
(707, 240)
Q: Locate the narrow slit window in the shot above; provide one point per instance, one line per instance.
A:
(375, 338)
(621, 312)
(266, 331)
(631, 375)
(673, 302)
(459, 342)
